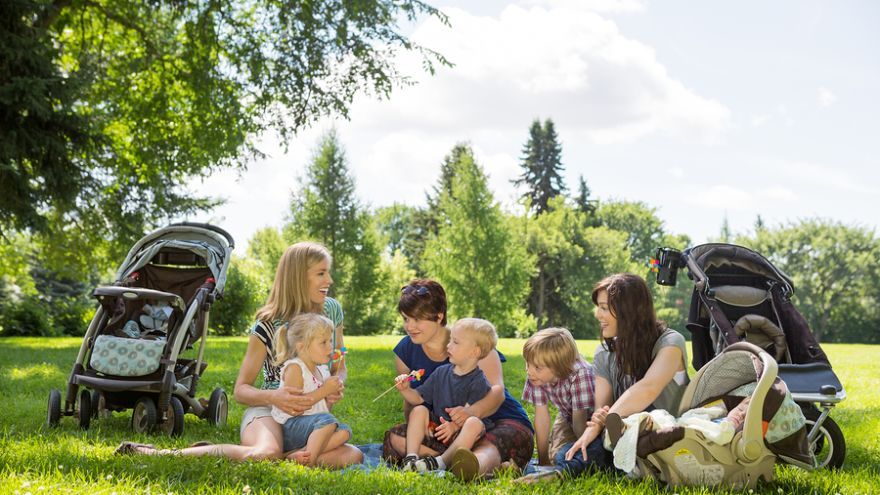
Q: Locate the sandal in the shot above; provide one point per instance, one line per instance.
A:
(130, 448)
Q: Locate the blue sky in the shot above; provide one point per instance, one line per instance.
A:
(703, 110)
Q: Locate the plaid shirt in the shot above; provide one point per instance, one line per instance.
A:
(572, 393)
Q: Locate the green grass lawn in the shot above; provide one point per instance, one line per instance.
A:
(34, 459)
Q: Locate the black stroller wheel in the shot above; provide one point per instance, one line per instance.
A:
(143, 417)
(829, 445)
(85, 409)
(99, 404)
(173, 424)
(53, 415)
(218, 407)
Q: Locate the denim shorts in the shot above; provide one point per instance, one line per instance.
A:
(298, 428)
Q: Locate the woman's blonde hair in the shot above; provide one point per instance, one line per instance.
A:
(304, 329)
(554, 348)
(290, 291)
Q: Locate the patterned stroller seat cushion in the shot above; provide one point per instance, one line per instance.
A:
(120, 356)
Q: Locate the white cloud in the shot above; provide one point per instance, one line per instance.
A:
(573, 66)
(595, 5)
(826, 97)
(730, 198)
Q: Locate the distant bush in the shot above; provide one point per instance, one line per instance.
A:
(25, 317)
(246, 290)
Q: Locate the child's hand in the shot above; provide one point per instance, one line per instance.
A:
(333, 384)
(599, 416)
(445, 431)
(402, 381)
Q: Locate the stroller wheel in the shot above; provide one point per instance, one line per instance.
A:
(173, 425)
(99, 404)
(54, 413)
(829, 446)
(85, 409)
(218, 407)
(143, 418)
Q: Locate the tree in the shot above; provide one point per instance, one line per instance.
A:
(835, 271)
(246, 290)
(112, 107)
(266, 247)
(475, 255)
(542, 166)
(584, 203)
(326, 210)
(639, 221)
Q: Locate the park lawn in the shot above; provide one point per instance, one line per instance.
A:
(35, 460)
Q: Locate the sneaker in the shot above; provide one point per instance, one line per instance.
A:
(409, 463)
(427, 463)
(465, 465)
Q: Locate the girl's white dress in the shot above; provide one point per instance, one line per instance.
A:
(310, 384)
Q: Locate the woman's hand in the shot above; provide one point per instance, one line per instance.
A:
(446, 430)
(291, 400)
(581, 444)
(458, 415)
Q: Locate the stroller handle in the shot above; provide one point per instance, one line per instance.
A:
(207, 226)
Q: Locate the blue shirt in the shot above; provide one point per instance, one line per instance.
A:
(414, 357)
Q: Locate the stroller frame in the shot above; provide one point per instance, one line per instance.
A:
(806, 370)
(159, 399)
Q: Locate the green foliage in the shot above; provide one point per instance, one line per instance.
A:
(836, 273)
(266, 247)
(43, 141)
(245, 291)
(396, 273)
(644, 229)
(571, 258)
(109, 109)
(475, 254)
(326, 210)
(25, 317)
(542, 166)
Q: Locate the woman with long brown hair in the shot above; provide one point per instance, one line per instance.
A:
(641, 364)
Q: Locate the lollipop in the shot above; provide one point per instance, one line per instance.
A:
(414, 375)
(338, 355)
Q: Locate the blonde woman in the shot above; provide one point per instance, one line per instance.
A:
(302, 281)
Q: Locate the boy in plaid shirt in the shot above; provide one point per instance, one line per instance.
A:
(557, 373)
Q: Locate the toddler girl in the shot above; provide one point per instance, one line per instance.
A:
(303, 346)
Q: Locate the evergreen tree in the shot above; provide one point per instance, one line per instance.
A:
(475, 255)
(583, 201)
(327, 211)
(542, 166)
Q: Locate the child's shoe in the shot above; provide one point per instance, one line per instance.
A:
(409, 463)
(427, 463)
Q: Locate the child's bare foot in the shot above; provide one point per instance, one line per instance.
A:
(303, 457)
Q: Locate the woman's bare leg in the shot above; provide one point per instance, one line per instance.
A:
(488, 455)
(262, 439)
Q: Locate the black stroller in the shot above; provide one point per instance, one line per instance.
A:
(740, 296)
(157, 309)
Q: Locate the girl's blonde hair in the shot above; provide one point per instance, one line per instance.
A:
(290, 291)
(304, 329)
(554, 348)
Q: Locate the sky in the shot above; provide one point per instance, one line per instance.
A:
(704, 110)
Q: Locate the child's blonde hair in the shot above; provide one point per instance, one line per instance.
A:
(554, 348)
(481, 331)
(290, 291)
(304, 329)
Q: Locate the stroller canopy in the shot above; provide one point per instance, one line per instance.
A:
(212, 245)
(707, 257)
